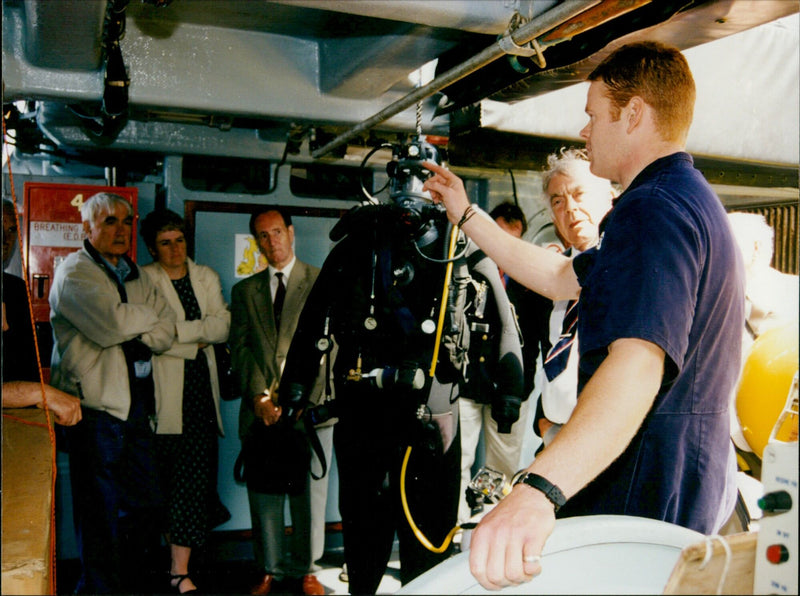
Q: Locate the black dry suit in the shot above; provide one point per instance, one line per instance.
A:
(378, 299)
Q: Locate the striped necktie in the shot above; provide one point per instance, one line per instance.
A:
(557, 357)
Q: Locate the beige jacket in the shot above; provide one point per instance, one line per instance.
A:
(212, 328)
(90, 323)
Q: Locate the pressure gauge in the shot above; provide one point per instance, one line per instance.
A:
(428, 326)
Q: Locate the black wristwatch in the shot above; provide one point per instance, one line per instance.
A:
(550, 490)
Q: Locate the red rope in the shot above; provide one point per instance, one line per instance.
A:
(50, 429)
(23, 421)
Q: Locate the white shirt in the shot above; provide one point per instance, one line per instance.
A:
(273, 280)
(560, 395)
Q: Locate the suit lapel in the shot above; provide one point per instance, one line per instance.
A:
(261, 305)
(295, 297)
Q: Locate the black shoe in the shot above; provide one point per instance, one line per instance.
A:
(177, 587)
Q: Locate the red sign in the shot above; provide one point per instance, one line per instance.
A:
(53, 229)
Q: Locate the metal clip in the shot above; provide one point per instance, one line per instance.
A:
(480, 300)
(530, 50)
(355, 374)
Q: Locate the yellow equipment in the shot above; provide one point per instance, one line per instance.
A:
(765, 383)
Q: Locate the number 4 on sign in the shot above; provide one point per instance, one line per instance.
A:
(77, 201)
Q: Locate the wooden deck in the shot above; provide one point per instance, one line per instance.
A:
(27, 500)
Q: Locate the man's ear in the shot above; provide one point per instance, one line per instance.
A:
(634, 112)
(87, 227)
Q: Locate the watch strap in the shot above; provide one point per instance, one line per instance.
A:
(540, 483)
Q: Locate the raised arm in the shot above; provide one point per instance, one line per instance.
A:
(539, 269)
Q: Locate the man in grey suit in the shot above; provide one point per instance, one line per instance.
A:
(265, 309)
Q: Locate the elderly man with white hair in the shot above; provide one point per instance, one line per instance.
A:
(108, 320)
(578, 201)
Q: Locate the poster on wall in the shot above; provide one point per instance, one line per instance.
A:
(247, 256)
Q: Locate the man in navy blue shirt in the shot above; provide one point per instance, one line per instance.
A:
(660, 321)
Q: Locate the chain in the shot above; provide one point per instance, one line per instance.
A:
(419, 105)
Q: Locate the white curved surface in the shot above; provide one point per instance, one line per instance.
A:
(603, 554)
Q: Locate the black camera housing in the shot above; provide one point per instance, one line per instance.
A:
(406, 173)
(323, 412)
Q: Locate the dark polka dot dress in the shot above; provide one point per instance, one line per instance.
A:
(189, 460)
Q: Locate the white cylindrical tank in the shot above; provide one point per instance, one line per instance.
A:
(602, 554)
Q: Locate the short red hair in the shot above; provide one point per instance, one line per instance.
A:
(657, 73)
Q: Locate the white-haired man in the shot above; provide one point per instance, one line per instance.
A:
(579, 201)
(107, 321)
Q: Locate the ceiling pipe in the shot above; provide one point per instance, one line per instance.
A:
(526, 33)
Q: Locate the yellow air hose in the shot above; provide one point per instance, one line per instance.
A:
(442, 309)
(417, 532)
(445, 291)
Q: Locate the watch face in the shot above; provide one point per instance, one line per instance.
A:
(323, 344)
(370, 323)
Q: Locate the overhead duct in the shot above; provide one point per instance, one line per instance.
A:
(66, 34)
(482, 17)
